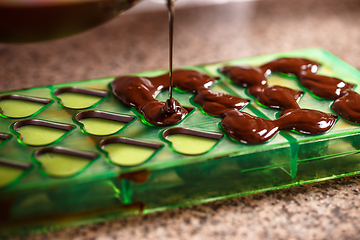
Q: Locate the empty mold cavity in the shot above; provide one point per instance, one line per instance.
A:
(102, 123)
(16, 106)
(191, 142)
(128, 152)
(11, 171)
(79, 98)
(63, 162)
(39, 132)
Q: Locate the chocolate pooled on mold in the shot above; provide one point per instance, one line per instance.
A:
(140, 92)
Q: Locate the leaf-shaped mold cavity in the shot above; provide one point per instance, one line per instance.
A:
(102, 123)
(11, 171)
(128, 152)
(191, 142)
(63, 162)
(39, 133)
(79, 98)
(17, 106)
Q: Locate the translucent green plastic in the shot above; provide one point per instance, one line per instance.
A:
(38, 199)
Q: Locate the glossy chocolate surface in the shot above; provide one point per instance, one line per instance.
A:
(292, 118)
(140, 93)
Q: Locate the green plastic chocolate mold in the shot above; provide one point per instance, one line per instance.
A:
(17, 106)
(109, 164)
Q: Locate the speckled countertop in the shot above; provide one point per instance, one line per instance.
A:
(138, 42)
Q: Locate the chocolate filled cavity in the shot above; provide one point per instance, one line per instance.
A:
(217, 104)
(348, 106)
(140, 92)
(292, 118)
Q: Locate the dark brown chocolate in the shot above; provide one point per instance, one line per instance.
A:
(291, 66)
(248, 129)
(293, 118)
(348, 106)
(158, 113)
(276, 96)
(140, 92)
(217, 104)
(346, 100)
(325, 87)
(306, 121)
(245, 76)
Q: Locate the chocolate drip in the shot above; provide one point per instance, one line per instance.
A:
(140, 92)
(160, 114)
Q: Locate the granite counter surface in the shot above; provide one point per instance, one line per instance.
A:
(138, 42)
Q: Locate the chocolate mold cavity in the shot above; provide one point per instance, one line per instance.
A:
(128, 152)
(191, 142)
(102, 123)
(79, 98)
(17, 106)
(39, 133)
(4, 137)
(11, 171)
(140, 93)
(63, 162)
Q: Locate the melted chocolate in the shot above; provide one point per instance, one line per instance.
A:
(170, 5)
(306, 121)
(160, 114)
(348, 106)
(217, 104)
(254, 78)
(291, 66)
(323, 86)
(293, 118)
(245, 76)
(249, 129)
(140, 92)
(276, 96)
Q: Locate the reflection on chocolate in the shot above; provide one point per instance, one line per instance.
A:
(157, 113)
(217, 104)
(249, 129)
(140, 92)
(257, 130)
(291, 66)
(276, 96)
(348, 106)
(245, 76)
(306, 121)
(323, 86)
